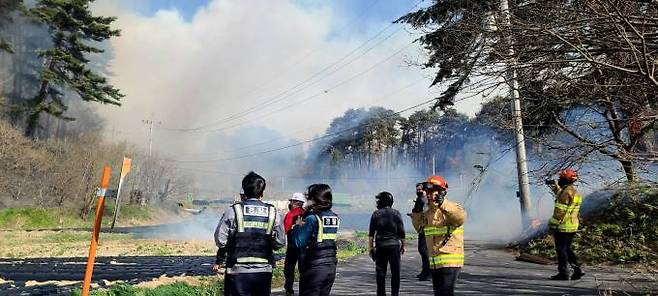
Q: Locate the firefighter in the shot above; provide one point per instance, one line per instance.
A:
(442, 225)
(316, 236)
(564, 223)
(293, 254)
(247, 235)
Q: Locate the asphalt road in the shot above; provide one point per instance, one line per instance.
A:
(493, 271)
(488, 271)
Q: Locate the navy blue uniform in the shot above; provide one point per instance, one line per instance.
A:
(317, 237)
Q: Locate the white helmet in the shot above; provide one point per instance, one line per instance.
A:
(298, 196)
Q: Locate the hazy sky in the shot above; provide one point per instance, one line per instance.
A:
(210, 67)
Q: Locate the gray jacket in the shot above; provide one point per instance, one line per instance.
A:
(227, 227)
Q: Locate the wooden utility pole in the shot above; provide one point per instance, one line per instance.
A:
(521, 159)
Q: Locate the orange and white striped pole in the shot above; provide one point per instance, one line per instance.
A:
(105, 183)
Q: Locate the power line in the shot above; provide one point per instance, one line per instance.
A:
(390, 94)
(299, 143)
(294, 177)
(304, 100)
(305, 56)
(296, 88)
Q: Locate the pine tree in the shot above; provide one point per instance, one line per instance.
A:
(73, 30)
(6, 8)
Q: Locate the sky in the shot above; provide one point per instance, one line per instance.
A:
(204, 70)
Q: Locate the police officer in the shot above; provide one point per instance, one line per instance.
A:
(247, 235)
(316, 235)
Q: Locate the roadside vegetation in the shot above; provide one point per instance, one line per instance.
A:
(67, 243)
(211, 285)
(622, 231)
(47, 183)
(62, 218)
(200, 286)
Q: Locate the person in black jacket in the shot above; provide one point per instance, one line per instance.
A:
(247, 235)
(386, 242)
(316, 235)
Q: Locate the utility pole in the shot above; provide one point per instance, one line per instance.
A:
(433, 164)
(150, 123)
(521, 160)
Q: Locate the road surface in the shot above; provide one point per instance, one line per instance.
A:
(488, 271)
(491, 271)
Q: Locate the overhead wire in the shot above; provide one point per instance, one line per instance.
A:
(298, 87)
(304, 141)
(305, 129)
(306, 55)
(301, 142)
(309, 98)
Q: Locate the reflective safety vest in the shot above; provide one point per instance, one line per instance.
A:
(444, 234)
(251, 243)
(566, 216)
(322, 247)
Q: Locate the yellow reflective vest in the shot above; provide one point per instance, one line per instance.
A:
(444, 233)
(566, 214)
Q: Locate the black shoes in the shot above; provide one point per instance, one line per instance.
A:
(577, 274)
(423, 276)
(560, 277)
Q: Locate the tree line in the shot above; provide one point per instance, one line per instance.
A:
(53, 60)
(585, 71)
(53, 55)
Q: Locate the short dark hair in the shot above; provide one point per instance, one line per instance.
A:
(384, 199)
(253, 185)
(321, 196)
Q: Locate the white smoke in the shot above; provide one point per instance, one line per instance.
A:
(234, 54)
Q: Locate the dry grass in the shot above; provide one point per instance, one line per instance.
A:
(36, 244)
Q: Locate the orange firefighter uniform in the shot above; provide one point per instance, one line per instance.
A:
(564, 224)
(566, 214)
(444, 233)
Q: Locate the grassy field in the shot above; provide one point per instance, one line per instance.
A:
(53, 218)
(194, 286)
(186, 285)
(66, 243)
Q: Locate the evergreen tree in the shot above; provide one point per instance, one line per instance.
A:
(6, 8)
(73, 30)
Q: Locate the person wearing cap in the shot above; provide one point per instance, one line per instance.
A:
(442, 225)
(242, 196)
(386, 242)
(293, 254)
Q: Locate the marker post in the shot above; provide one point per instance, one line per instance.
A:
(105, 182)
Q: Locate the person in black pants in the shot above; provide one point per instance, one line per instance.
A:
(386, 242)
(316, 236)
(424, 274)
(565, 254)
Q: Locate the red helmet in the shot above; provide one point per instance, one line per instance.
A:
(569, 175)
(438, 181)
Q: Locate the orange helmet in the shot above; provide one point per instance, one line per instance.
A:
(438, 181)
(569, 175)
